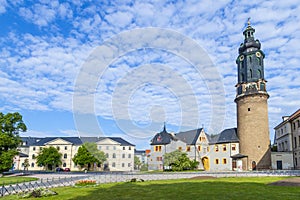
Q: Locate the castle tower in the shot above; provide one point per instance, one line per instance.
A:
(252, 106)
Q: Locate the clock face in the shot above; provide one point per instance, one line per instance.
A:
(241, 57)
(258, 54)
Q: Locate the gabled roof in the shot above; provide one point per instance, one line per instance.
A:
(226, 136)
(162, 138)
(29, 140)
(73, 140)
(76, 140)
(189, 137)
(295, 115)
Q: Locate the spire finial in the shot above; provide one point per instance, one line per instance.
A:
(165, 126)
(248, 21)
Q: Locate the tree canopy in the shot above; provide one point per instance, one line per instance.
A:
(49, 157)
(10, 126)
(88, 154)
(178, 161)
(137, 163)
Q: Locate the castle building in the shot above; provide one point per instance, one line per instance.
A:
(252, 106)
(119, 152)
(287, 141)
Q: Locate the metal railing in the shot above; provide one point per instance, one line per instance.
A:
(42, 183)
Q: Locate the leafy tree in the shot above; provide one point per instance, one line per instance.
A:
(10, 126)
(49, 158)
(179, 161)
(26, 164)
(88, 154)
(137, 163)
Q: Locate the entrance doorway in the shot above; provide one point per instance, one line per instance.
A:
(205, 162)
(279, 164)
(253, 165)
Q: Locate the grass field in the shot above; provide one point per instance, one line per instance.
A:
(15, 179)
(220, 188)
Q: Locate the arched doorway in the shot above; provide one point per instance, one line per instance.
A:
(253, 165)
(205, 162)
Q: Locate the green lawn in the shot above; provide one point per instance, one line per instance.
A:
(221, 188)
(15, 179)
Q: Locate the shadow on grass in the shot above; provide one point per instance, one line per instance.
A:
(189, 189)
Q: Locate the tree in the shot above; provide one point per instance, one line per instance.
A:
(88, 154)
(26, 164)
(10, 126)
(49, 158)
(178, 161)
(137, 163)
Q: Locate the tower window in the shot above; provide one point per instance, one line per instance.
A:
(250, 73)
(248, 109)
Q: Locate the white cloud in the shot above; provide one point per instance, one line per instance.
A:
(38, 69)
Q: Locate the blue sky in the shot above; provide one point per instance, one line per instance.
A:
(47, 73)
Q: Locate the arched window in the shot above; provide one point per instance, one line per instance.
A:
(33, 156)
(259, 74)
(250, 59)
(32, 164)
(65, 155)
(64, 165)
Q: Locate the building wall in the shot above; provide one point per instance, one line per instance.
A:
(285, 158)
(283, 137)
(295, 125)
(120, 158)
(220, 156)
(253, 130)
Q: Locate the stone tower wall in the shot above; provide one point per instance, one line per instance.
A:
(253, 130)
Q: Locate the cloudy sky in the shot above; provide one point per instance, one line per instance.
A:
(124, 68)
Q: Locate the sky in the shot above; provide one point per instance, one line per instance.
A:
(123, 68)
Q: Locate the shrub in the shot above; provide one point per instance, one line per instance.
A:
(82, 183)
(40, 192)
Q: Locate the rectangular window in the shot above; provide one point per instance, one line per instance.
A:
(224, 147)
(123, 164)
(66, 147)
(298, 121)
(158, 158)
(188, 148)
(129, 155)
(217, 161)
(199, 148)
(157, 148)
(123, 148)
(115, 148)
(107, 147)
(216, 148)
(233, 147)
(123, 155)
(202, 139)
(295, 140)
(99, 147)
(129, 164)
(224, 161)
(129, 148)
